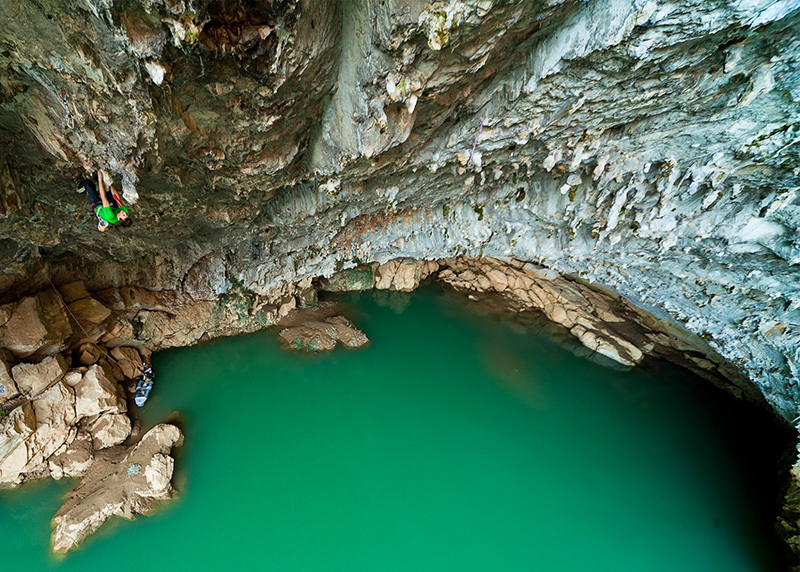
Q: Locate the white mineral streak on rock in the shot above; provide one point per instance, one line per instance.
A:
(156, 71)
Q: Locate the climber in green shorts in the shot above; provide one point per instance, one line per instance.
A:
(106, 204)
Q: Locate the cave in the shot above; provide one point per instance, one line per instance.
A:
(625, 170)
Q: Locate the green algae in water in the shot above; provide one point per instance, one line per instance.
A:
(453, 442)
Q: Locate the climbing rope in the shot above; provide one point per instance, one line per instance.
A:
(371, 35)
(66, 307)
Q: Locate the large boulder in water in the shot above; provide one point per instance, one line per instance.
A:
(122, 481)
(319, 329)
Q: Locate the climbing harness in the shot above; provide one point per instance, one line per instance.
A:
(69, 119)
(475, 143)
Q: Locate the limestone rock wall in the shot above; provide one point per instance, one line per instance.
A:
(646, 147)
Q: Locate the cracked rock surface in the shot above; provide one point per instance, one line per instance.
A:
(648, 148)
(121, 481)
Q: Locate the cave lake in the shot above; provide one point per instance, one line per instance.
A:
(456, 440)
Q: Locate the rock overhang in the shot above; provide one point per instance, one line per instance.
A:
(651, 149)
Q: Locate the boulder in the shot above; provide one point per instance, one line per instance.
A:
(122, 481)
(404, 274)
(89, 312)
(119, 333)
(34, 431)
(74, 291)
(313, 333)
(89, 354)
(110, 429)
(97, 393)
(129, 361)
(361, 278)
(8, 388)
(74, 460)
(35, 325)
(73, 377)
(33, 378)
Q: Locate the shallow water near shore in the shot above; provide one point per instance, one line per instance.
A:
(454, 441)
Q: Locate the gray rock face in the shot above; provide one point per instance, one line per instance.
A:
(652, 148)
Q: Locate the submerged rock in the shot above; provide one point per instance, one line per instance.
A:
(647, 147)
(121, 481)
(319, 329)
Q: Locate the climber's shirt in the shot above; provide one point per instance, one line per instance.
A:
(109, 213)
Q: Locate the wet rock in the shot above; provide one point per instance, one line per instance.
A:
(319, 329)
(352, 280)
(121, 481)
(33, 378)
(601, 321)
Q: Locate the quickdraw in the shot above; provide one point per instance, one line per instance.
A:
(475, 143)
(69, 119)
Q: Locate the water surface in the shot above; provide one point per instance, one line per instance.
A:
(455, 441)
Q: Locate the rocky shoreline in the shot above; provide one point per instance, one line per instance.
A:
(66, 357)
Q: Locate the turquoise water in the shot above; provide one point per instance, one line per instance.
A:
(455, 441)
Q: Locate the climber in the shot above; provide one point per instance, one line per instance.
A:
(106, 204)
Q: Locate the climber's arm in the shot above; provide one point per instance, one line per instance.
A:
(102, 187)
